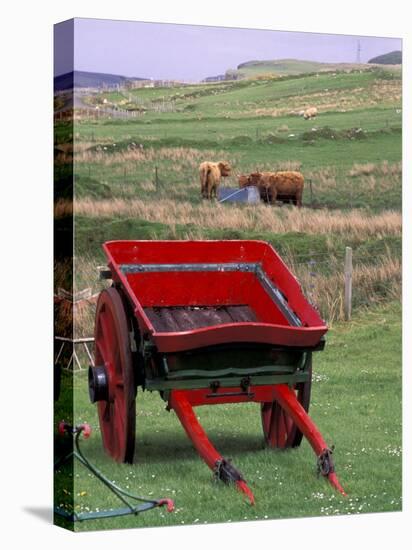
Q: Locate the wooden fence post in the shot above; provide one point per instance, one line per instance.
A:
(348, 283)
(156, 179)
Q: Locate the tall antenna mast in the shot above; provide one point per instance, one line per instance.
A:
(358, 51)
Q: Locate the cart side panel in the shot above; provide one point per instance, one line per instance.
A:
(175, 252)
(278, 272)
(215, 286)
(240, 332)
(152, 252)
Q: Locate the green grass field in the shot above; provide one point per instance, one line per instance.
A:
(356, 402)
(254, 125)
(137, 178)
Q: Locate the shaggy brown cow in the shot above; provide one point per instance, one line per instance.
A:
(243, 181)
(210, 175)
(252, 180)
(281, 186)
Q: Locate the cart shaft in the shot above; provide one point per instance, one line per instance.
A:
(223, 469)
(183, 401)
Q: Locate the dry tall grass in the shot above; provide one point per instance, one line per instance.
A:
(372, 284)
(86, 275)
(63, 207)
(354, 224)
(384, 168)
(63, 310)
(180, 155)
(358, 181)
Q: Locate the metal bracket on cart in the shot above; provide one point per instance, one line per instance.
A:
(325, 465)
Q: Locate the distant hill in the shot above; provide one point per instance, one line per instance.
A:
(84, 79)
(391, 58)
(284, 67)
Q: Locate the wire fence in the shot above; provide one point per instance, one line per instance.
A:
(373, 278)
(157, 106)
(103, 111)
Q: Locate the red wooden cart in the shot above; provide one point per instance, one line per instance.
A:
(203, 323)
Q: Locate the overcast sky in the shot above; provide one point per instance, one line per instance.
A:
(186, 52)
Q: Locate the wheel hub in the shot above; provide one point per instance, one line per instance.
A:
(98, 384)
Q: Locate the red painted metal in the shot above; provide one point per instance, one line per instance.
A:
(243, 487)
(86, 430)
(62, 427)
(181, 402)
(168, 502)
(117, 416)
(65, 427)
(205, 396)
(288, 401)
(278, 428)
(237, 332)
(218, 288)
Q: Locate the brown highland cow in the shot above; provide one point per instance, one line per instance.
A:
(282, 186)
(210, 175)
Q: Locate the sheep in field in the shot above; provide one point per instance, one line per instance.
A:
(310, 113)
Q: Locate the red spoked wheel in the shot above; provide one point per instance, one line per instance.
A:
(278, 428)
(112, 381)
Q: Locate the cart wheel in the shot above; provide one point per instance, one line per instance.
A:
(112, 382)
(278, 428)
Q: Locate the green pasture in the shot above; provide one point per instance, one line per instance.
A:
(223, 120)
(235, 96)
(217, 131)
(125, 177)
(356, 403)
(367, 99)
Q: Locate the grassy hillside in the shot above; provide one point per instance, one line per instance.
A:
(255, 125)
(288, 67)
(269, 97)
